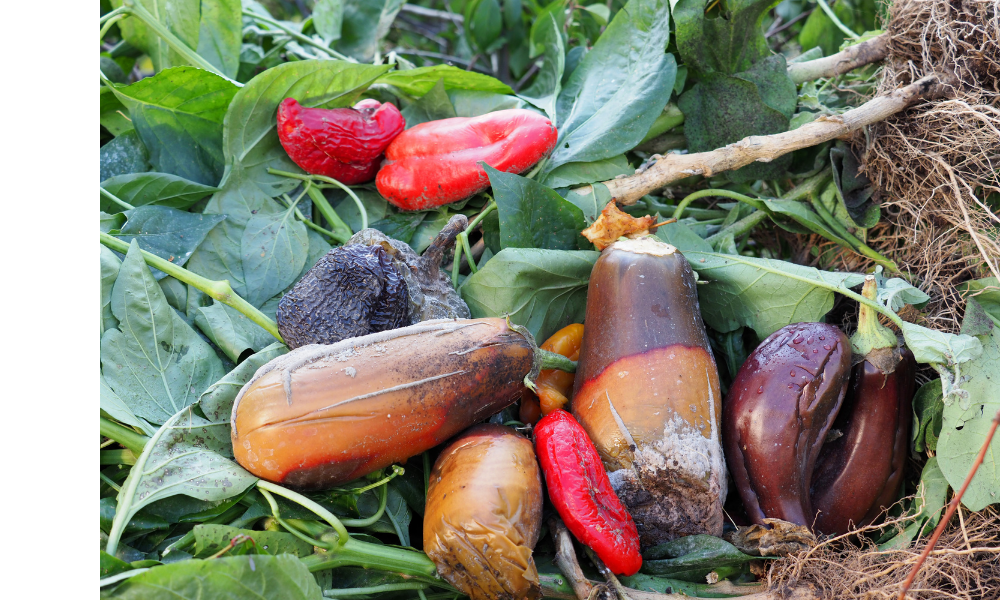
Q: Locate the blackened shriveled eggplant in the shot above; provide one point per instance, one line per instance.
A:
(777, 414)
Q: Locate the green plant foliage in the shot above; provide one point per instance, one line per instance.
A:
(534, 216)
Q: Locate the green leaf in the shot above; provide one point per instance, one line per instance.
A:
(591, 199)
(252, 576)
(572, 174)
(483, 23)
(620, 87)
(113, 112)
(397, 517)
(166, 232)
(209, 539)
(328, 19)
(232, 331)
(163, 189)
(681, 237)
(932, 493)
(154, 361)
(119, 411)
(274, 249)
(965, 424)
(212, 28)
(375, 205)
(432, 106)
(400, 226)
(123, 155)
(763, 294)
(854, 190)
(111, 565)
(473, 103)
(666, 585)
(819, 31)
(729, 43)
(931, 346)
(419, 81)
(547, 41)
(534, 216)
(693, 557)
(365, 23)
(217, 401)
(542, 290)
(928, 410)
(178, 113)
(895, 293)
(110, 264)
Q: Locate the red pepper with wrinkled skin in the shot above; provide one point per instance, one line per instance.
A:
(343, 143)
(435, 163)
(581, 492)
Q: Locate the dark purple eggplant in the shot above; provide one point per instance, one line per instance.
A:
(777, 414)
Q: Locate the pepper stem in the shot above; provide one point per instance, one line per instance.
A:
(871, 334)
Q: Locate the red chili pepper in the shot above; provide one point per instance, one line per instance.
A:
(581, 492)
(343, 143)
(437, 162)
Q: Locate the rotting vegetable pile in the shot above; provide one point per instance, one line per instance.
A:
(643, 299)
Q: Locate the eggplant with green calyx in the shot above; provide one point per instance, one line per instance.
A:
(647, 390)
(322, 415)
(859, 473)
(484, 514)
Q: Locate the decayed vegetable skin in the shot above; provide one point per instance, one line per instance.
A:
(777, 415)
(647, 391)
(484, 514)
(323, 415)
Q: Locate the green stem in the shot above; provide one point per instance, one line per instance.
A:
(116, 199)
(739, 227)
(218, 290)
(308, 222)
(121, 10)
(302, 39)
(464, 238)
(383, 501)
(836, 21)
(454, 265)
(670, 117)
(492, 206)
(331, 216)
(176, 44)
(330, 180)
(306, 502)
(124, 436)
(854, 243)
(375, 589)
(396, 471)
(117, 457)
(463, 244)
(110, 482)
(412, 563)
(186, 540)
(715, 193)
(552, 360)
(110, 22)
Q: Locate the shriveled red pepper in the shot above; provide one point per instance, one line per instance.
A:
(554, 387)
(343, 143)
(437, 162)
(580, 490)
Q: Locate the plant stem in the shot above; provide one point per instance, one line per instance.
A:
(218, 290)
(330, 180)
(124, 436)
(117, 457)
(855, 244)
(110, 482)
(176, 44)
(412, 563)
(121, 10)
(302, 39)
(110, 22)
(552, 360)
(375, 589)
(670, 117)
(383, 500)
(336, 223)
(116, 199)
(464, 239)
(836, 21)
(715, 193)
(306, 502)
(739, 227)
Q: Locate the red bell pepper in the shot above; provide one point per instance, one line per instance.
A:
(437, 162)
(581, 492)
(343, 143)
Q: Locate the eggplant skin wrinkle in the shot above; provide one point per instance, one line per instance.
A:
(777, 414)
(323, 415)
(484, 514)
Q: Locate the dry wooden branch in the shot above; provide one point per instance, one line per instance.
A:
(673, 167)
(846, 60)
(566, 559)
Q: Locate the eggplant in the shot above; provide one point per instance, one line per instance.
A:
(484, 514)
(647, 390)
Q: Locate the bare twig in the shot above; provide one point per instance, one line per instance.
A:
(433, 14)
(851, 58)
(952, 507)
(620, 590)
(673, 167)
(802, 15)
(566, 559)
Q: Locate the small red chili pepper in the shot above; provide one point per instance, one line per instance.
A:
(581, 492)
(343, 143)
(437, 162)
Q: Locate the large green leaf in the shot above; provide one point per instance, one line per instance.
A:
(231, 330)
(273, 249)
(212, 28)
(729, 43)
(534, 216)
(620, 87)
(432, 106)
(247, 577)
(483, 24)
(163, 189)
(154, 361)
(547, 41)
(365, 23)
(168, 233)
(119, 411)
(328, 19)
(217, 401)
(123, 155)
(419, 81)
(965, 424)
(110, 264)
(540, 289)
(572, 174)
(178, 113)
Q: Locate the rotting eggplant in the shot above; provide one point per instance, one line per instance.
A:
(322, 415)
(825, 445)
(780, 407)
(484, 514)
(859, 474)
(647, 390)
(372, 283)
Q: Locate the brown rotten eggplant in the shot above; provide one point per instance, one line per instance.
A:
(323, 415)
(860, 473)
(780, 407)
(647, 390)
(484, 514)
